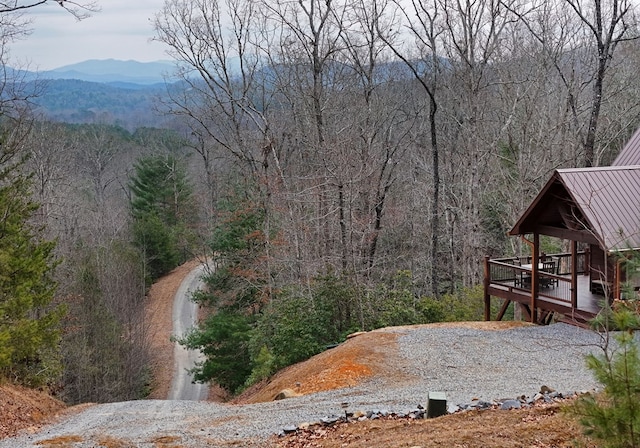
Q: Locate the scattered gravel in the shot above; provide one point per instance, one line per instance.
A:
(464, 363)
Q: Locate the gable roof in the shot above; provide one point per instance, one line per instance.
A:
(630, 154)
(597, 205)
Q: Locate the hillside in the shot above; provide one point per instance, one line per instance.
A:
(362, 357)
(25, 409)
(77, 101)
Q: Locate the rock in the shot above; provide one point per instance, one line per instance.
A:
(452, 409)
(511, 404)
(286, 393)
(357, 333)
(480, 404)
(358, 414)
(546, 390)
(304, 426)
(289, 429)
(329, 420)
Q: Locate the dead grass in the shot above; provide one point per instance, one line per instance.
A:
(167, 442)
(60, 442)
(112, 442)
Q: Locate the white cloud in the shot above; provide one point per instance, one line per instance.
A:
(121, 30)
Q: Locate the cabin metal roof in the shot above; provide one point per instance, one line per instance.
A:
(630, 154)
(599, 205)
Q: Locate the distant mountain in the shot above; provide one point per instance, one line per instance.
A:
(113, 71)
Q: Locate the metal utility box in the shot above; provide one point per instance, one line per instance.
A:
(437, 404)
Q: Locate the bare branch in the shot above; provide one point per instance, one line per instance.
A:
(80, 10)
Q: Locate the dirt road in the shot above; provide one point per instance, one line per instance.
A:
(185, 313)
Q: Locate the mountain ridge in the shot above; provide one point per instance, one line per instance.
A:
(112, 71)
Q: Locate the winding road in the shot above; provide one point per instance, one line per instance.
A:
(185, 314)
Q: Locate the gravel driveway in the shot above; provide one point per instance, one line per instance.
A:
(185, 315)
(465, 363)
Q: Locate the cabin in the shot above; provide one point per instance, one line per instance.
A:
(596, 214)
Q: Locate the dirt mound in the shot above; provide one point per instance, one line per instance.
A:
(22, 408)
(358, 358)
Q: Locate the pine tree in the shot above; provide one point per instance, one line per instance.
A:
(29, 333)
(613, 416)
(162, 208)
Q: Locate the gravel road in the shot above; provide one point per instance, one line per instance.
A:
(185, 314)
(465, 363)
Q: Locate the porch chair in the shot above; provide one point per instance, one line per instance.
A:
(556, 269)
(548, 267)
(517, 275)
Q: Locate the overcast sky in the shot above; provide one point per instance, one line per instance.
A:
(121, 30)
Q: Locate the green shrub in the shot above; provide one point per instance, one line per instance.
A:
(293, 329)
(466, 304)
(264, 365)
(224, 340)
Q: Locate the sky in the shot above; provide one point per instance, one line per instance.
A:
(121, 30)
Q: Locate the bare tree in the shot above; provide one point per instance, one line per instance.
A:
(226, 103)
(380, 129)
(79, 9)
(422, 22)
(604, 24)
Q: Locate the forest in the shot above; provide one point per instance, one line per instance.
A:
(341, 166)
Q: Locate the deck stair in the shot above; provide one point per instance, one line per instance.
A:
(578, 318)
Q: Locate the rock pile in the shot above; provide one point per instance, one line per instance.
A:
(546, 395)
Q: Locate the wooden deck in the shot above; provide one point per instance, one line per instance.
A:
(508, 281)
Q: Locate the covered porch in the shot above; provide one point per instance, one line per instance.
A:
(589, 212)
(562, 288)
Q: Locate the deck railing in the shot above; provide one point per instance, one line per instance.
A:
(510, 273)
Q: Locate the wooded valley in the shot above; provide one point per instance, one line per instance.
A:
(342, 165)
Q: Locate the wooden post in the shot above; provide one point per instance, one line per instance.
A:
(487, 297)
(574, 274)
(535, 259)
(617, 280)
